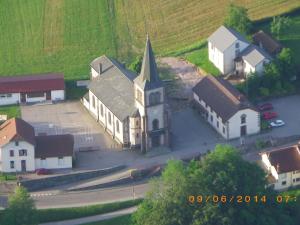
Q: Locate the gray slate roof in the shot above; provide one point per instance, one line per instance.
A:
(221, 96)
(149, 78)
(114, 87)
(224, 37)
(254, 55)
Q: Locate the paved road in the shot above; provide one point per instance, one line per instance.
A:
(94, 218)
(84, 198)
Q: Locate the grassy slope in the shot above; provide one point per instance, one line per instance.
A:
(11, 111)
(65, 35)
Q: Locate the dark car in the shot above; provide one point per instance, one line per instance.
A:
(269, 115)
(266, 106)
(43, 171)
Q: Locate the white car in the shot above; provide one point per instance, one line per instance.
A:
(277, 123)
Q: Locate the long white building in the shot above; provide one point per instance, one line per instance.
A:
(225, 108)
(131, 108)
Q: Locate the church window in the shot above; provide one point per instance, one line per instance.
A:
(155, 124)
(154, 98)
(101, 110)
(94, 102)
(118, 126)
(109, 118)
(243, 119)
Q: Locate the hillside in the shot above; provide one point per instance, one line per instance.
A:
(65, 35)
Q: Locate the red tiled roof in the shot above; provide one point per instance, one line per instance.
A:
(285, 159)
(54, 146)
(32, 83)
(16, 129)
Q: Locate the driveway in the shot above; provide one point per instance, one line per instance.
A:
(68, 118)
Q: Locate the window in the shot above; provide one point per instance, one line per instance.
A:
(36, 95)
(60, 161)
(11, 153)
(154, 98)
(237, 45)
(283, 182)
(211, 118)
(16, 143)
(23, 152)
(12, 164)
(118, 126)
(139, 95)
(137, 123)
(101, 110)
(243, 118)
(109, 118)
(137, 135)
(298, 179)
(155, 124)
(94, 102)
(223, 130)
(217, 124)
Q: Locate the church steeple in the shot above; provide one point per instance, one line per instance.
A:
(148, 78)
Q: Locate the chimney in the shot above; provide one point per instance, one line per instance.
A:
(100, 68)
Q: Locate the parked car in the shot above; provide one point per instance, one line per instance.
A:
(266, 106)
(43, 171)
(269, 115)
(277, 123)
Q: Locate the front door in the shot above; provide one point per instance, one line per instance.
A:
(23, 165)
(155, 141)
(243, 130)
(48, 95)
(23, 97)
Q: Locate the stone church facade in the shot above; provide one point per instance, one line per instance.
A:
(130, 107)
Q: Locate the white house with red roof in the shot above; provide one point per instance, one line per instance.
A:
(31, 88)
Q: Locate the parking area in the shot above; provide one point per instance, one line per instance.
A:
(68, 118)
(288, 110)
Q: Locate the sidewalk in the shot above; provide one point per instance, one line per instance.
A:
(96, 218)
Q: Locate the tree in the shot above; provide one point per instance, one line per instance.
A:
(237, 18)
(21, 209)
(279, 25)
(286, 63)
(136, 65)
(221, 173)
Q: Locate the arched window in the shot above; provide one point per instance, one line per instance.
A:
(101, 109)
(109, 118)
(155, 124)
(243, 118)
(118, 126)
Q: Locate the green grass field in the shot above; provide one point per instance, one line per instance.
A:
(65, 35)
(11, 111)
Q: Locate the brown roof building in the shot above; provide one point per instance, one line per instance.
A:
(267, 42)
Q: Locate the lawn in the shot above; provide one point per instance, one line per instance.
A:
(120, 220)
(11, 111)
(7, 177)
(65, 35)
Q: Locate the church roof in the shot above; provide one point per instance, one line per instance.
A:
(114, 86)
(148, 78)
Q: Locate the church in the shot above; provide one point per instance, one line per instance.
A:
(130, 107)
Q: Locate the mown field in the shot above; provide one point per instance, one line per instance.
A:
(65, 35)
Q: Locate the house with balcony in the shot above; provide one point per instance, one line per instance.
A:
(225, 108)
(282, 166)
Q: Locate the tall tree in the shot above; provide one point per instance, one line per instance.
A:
(21, 209)
(279, 25)
(237, 18)
(223, 173)
(287, 66)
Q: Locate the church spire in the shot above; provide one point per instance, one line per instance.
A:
(149, 77)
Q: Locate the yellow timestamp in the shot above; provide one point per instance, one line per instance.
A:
(200, 199)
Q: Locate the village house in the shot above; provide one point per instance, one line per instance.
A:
(267, 42)
(225, 108)
(282, 166)
(31, 88)
(131, 108)
(231, 53)
(21, 150)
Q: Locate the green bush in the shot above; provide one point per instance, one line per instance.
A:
(264, 92)
(58, 214)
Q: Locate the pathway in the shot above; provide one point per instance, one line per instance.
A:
(96, 218)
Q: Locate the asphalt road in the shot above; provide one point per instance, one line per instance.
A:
(84, 198)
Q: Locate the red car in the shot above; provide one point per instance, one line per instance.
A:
(43, 171)
(269, 115)
(266, 106)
